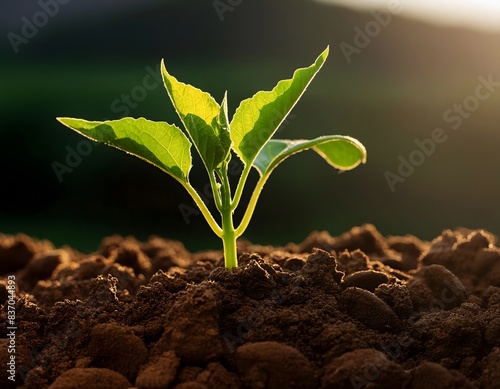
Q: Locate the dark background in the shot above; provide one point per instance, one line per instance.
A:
(393, 92)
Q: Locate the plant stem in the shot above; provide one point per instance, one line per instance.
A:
(251, 205)
(204, 210)
(228, 233)
(229, 240)
(241, 186)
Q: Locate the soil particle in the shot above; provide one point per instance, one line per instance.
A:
(130, 254)
(320, 270)
(16, 251)
(363, 368)
(365, 238)
(359, 310)
(170, 283)
(340, 338)
(492, 296)
(463, 253)
(410, 248)
(166, 254)
(365, 279)
(41, 267)
(159, 372)
(117, 348)
(491, 370)
(275, 366)
(316, 240)
(487, 268)
(369, 310)
(451, 336)
(255, 281)
(435, 286)
(191, 325)
(433, 375)
(491, 320)
(397, 296)
(94, 378)
(147, 308)
(188, 374)
(216, 376)
(65, 335)
(102, 291)
(353, 261)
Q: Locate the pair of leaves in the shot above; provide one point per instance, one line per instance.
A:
(254, 123)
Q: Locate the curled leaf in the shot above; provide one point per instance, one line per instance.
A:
(341, 152)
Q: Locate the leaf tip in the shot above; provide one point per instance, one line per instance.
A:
(163, 69)
(63, 120)
(325, 52)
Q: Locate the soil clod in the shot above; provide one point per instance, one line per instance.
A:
(355, 311)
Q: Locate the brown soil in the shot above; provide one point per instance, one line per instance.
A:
(355, 311)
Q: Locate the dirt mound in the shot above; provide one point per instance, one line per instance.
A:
(358, 310)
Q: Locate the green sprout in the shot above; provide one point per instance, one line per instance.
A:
(248, 135)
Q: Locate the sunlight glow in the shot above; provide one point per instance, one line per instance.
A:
(477, 14)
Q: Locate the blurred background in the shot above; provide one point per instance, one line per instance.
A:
(396, 73)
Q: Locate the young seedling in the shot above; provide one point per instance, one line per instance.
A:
(248, 135)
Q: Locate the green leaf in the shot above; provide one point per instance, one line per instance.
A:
(159, 143)
(199, 113)
(342, 152)
(257, 118)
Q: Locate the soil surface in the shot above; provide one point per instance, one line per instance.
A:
(355, 311)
